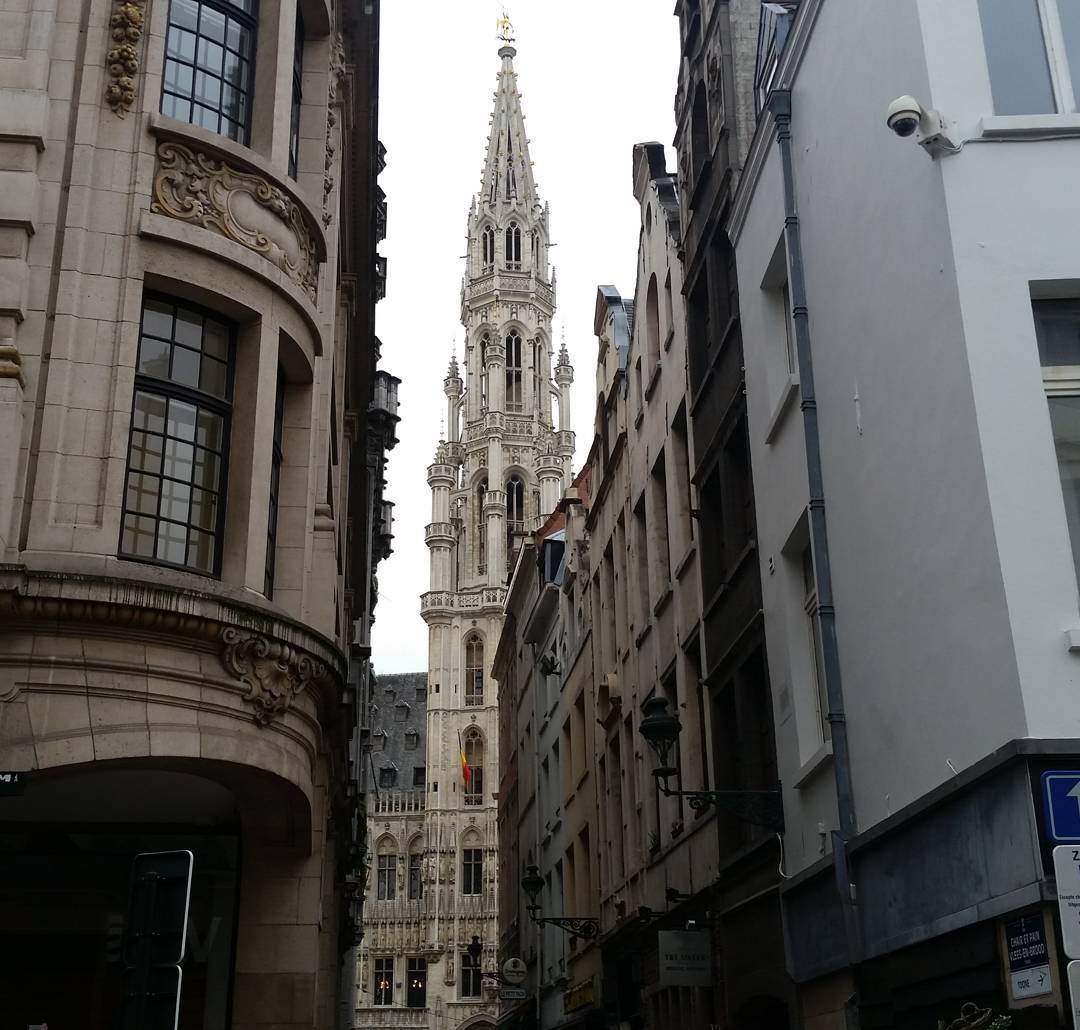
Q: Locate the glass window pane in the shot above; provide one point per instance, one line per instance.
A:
(142, 493)
(139, 535)
(208, 89)
(237, 38)
(1016, 55)
(157, 319)
(154, 357)
(188, 328)
(149, 412)
(207, 470)
(1065, 422)
(181, 44)
(171, 542)
(204, 510)
(178, 460)
(1070, 29)
(201, 551)
(212, 24)
(210, 56)
(176, 108)
(212, 377)
(215, 340)
(206, 118)
(177, 77)
(184, 13)
(234, 69)
(175, 500)
(1057, 330)
(145, 452)
(209, 430)
(185, 366)
(181, 420)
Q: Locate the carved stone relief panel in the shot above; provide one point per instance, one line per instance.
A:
(273, 673)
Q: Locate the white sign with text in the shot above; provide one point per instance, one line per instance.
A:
(1067, 873)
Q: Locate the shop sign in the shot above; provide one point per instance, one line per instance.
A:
(1067, 873)
(11, 783)
(578, 996)
(1028, 957)
(1073, 972)
(685, 958)
(512, 994)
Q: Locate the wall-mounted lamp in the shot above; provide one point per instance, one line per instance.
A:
(577, 926)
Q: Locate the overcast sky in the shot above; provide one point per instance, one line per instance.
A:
(596, 77)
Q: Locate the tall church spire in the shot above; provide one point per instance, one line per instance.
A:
(508, 177)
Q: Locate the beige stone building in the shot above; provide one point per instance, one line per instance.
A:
(190, 504)
(502, 467)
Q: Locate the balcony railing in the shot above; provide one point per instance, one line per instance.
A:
(400, 801)
(474, 700)
(378, 1018)
(474, 799)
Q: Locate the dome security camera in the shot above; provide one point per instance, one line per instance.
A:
(908, 118)
(904, 116)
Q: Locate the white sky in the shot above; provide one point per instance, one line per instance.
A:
(596, 77)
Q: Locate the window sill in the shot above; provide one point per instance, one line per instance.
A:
(638, 640)
(669, 340)
(787, 395)
(662, 600)
(639, 418)
(1025, 126)
(684, 561)
(813, 765)
(653, 380)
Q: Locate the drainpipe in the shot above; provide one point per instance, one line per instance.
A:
(779, 103)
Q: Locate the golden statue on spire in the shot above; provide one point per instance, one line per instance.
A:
(506, 28)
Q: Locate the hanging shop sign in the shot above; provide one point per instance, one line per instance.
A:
(578, 996)
(685, 958)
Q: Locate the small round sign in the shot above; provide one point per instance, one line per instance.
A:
(513, 971)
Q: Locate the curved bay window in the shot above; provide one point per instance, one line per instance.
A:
(174, 503)
(474, 756)
(474, 673)
(209, 51)
(514, 400)
(513, 247)
(481, 528)
(297, 95)
(487, 246)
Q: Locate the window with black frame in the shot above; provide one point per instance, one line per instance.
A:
(276, 459)
(470, 975)
(416, 996)
(472, 871)
(209, 65)
(384, 980)
(174, 496)
(297, 95)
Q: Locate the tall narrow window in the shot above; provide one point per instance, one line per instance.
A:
(652, 327)
(699, 131)
(416, 983)
(1057, 331)
(474, 757)
(416, 877)
(276, 458)
(514, 401)
(513, 247)
(297, 95)
(1014, 34)
(481, 528)
(209, 50)
(487, 245)
(537, 399)
(384, 980)
(470, 976)
(515, 508)
(472, 870)
(483, 372)
(174, 503)
(386, 870)
(474, 671)
(813, 627)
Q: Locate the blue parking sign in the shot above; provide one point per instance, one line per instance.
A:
(1061, 794)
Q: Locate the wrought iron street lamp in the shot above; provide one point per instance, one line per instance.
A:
(513, 970)
(585, 927)
(661, 729)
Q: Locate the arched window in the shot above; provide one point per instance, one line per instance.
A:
(515, 508)
(487, 240)
(514, 401)
(386, 870)
(481, 528)
(652, 327)
(474, 670)
(474, 757)
(484, 340)
(699, 131)
(513, 247)
(416, 876)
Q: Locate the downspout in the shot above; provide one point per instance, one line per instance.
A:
(779, 103)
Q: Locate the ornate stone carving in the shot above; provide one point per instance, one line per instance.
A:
(241, 206)
(10, 361)
(274, 673)
(122, 60)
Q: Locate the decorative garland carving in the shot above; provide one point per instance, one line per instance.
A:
(274, 673)
(123, 57)
(241, 206)
(11, 362)
(337, 79)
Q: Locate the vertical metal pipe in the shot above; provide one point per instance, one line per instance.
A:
(780, 105)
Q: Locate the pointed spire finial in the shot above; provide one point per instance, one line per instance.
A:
(564, 354)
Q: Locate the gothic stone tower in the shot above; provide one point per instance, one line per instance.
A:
(495, 478)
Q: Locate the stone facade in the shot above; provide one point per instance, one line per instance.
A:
(502, 467)
(187, 360)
